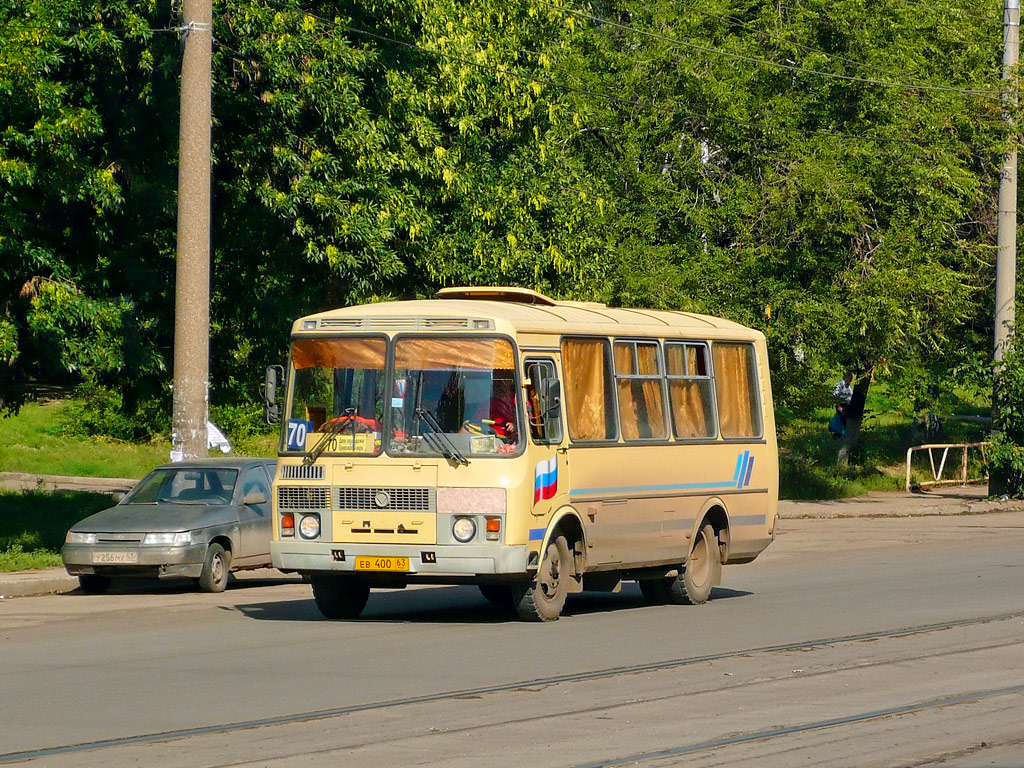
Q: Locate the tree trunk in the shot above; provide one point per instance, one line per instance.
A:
(854, 417)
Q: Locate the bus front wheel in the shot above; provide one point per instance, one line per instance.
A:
(544, 598)
(339, 597)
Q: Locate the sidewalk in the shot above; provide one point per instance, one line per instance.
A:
(951, 500)
(947, 500)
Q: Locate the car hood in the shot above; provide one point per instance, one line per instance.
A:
(138, 518)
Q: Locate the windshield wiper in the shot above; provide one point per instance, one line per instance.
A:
(335, 427)
(447, 447)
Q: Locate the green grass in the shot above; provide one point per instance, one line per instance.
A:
(33, 525)
(33, 441)
(807, 453)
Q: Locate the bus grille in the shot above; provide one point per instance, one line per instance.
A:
(304, 497)
(302, 472)
(400, 499)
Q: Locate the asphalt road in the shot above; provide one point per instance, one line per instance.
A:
(860, 642)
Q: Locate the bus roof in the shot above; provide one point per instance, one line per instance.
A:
(524, 310)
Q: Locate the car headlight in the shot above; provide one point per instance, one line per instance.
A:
(179, 539)
(74, 537)
(309, 526)
(464, 529)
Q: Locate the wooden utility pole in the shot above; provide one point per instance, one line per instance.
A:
(1006, 238)
(192, 287)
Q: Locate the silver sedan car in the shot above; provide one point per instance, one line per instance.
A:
(198, 519)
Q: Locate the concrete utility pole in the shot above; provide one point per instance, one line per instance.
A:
(192, 289)
(1006, 251)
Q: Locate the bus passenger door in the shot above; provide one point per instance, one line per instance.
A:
(544, 423)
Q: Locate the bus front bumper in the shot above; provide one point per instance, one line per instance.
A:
(424, 559)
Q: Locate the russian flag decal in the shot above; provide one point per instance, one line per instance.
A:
(545, 479)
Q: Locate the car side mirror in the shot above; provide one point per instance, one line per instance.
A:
(255, 498)
(118, 496)
(271, 380)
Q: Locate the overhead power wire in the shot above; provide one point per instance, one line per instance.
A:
(765, 62)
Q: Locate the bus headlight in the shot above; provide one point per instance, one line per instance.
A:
(464, 529)
(309, 526)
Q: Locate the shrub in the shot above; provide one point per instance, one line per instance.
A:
(98, 410)
(1006, 455)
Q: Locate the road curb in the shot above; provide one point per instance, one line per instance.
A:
(47, 581)
(908, 506)
(25, 481)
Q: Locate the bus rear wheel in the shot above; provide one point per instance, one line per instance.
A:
(693, 585)
(544, 599)
(702, 571)
(339, 597)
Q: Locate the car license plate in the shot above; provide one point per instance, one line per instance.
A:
(117, 558)
(382, 563)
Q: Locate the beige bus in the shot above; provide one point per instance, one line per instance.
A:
(532, 447)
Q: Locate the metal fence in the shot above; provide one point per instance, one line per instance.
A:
(938, 472)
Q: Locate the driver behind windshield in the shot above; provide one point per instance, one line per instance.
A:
(491, 408)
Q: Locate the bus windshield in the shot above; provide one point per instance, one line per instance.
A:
(454, 394)
(337, 395)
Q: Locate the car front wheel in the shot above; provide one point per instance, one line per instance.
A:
(214, 577)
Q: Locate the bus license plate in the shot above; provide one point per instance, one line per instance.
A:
(382, 564)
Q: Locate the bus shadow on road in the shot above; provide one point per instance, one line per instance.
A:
(452, 605)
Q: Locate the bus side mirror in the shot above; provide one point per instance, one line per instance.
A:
(271, 381)
(552, 397)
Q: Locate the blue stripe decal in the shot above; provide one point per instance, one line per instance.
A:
(536, 534)
(740, 479)
(743, 468)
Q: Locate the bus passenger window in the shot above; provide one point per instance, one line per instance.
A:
(588, 389)
(736, 385)
(638, 379)
(691, 401)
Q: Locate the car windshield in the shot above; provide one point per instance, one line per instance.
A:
(337, 395)
(454, 397)
(187, 485)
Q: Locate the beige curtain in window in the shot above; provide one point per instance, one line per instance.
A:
(583, 362)
(641, 410)
(688, 414)
(674, 360)
(339, 353)
(439, 354)
(734, 385)
(647, 357)
(629, 419)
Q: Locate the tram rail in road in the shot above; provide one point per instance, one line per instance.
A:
(684, 749)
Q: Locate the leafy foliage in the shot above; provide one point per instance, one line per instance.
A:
(825, 172)
(1006, 455)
